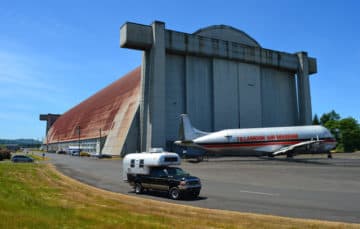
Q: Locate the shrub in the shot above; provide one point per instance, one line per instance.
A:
(5, 154)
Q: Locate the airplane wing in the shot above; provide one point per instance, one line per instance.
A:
(292, 147)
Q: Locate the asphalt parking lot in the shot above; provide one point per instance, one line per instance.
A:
(306, 187)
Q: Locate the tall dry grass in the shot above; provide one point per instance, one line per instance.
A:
(37, 196)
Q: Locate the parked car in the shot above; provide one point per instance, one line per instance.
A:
(21, 158)
(74, 152)
(84, 154)
(61, 152)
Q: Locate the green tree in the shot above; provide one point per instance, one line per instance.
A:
(350, 134)
(316, 120)
(334, 127)
(346, 131)
(330, 120)
(331, 116)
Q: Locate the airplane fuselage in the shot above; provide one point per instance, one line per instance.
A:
(262, 141)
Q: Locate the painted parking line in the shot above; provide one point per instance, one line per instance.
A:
(259, 193)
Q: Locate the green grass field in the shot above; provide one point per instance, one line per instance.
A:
(37, 196)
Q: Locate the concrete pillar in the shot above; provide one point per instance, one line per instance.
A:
(152, 105)
(50, 120)
(304, 97)
(144, 102)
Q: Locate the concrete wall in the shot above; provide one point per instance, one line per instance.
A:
(132, 142)
(227, 33)
(218, 75)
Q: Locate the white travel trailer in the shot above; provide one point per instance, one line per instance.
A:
(140, 163)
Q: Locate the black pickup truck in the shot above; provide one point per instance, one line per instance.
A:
(168, 179)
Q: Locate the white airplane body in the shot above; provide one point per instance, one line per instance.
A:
(270, 141)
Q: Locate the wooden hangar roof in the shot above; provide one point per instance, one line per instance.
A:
(109, 108)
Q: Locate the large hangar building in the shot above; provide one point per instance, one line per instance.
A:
(218, 75)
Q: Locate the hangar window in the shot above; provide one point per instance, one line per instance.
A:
(141, 165)
(170, 159)
(132, 163)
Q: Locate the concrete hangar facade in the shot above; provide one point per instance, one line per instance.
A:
(218, 75)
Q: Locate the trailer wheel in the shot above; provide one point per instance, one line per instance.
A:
(138, 188)
(329, 155)
(174, 193)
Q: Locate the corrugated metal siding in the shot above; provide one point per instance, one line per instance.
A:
(175, 94)
(250, 95)
(226, 94)
(278, 98)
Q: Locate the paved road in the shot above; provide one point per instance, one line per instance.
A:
(310, 187)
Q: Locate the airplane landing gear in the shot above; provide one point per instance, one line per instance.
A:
(289, 154)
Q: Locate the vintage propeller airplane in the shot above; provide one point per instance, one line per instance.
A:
(270, 141)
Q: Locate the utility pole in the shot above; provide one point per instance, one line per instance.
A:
(47, 142)
(100, 143)
(78, 127)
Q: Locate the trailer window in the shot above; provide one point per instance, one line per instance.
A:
(132, 163)
(170, 159)
(141, 165)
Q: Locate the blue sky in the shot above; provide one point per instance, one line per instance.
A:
(55, 54)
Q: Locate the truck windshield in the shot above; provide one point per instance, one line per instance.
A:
(173, 171)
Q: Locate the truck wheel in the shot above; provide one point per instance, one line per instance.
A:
(174, 193)
(138, 188)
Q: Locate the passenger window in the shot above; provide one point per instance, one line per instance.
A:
(162, 173)
(141, 165)
(132, 163)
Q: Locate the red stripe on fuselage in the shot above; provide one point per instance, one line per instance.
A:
(237, 144)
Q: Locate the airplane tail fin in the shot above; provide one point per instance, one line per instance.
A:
(186, 131)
